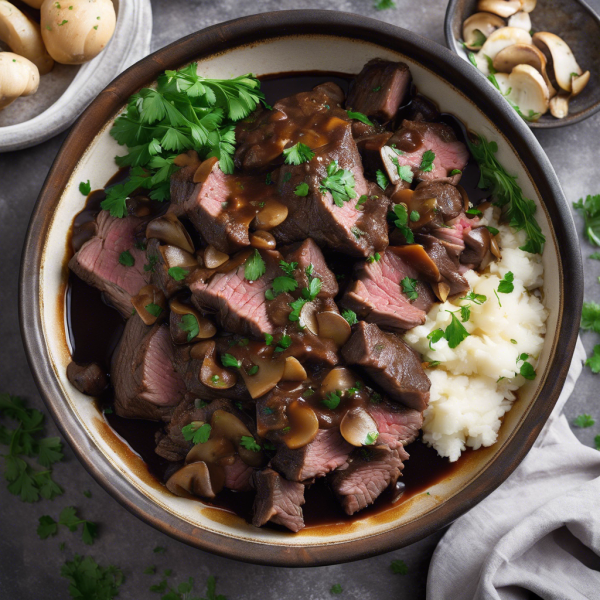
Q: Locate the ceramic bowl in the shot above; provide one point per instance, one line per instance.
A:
(265, 44)
(574, 21)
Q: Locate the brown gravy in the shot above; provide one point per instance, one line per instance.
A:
(94, 329)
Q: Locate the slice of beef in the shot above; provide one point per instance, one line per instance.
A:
(380, 89)
(313, 118)
(182, 184)
(97, 261)
(239, 305)
(370, 470)
(277, 500)
(238, 476)
(377, 296)
(397, 424)
(391, 363)
(159, 273)
(311, 348)
(342, 228)
(307, 253)
(147, 386)
(449, 267)
(327, 452)
(414, 138)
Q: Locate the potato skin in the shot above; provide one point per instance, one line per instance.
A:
(76, 31)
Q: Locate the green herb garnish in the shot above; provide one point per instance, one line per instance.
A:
(340, 183)
(298, 154)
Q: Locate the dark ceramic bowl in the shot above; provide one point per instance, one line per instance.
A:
(574, 21)
(271, 43)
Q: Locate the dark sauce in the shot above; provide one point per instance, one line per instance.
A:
(94, 330)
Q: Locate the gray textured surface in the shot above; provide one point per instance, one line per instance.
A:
(29, 568)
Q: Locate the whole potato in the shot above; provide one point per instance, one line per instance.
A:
(76, 31)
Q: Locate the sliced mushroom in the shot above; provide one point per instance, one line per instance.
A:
(389, 158)
(169, 229)
(478, 27)
(333, 326)
(212, 451)
(293, 370)
(304, 425)
(502, 8)
(415, 255)
(494, 247)
(198, 479)
(268, 375)
(272, 214)
(523, 54)
(503, 84)
(441, 290)
(227, 425)
(528, 5)
(497, 41)
(23, 37)
(206, 328)
(18, 77)
(358, 427)
(563, 61)
(522, 20)
(339, 378)
(187, 159)
(150, 304)
(213, 258)
(559, 105)
(176, 257)
(212, 374)
(578, 83)
(263, 240)
(89, 378)
(528, 91)
(308, 317)
(205, 169)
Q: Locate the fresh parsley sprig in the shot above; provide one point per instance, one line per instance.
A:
(298, 154)
(401, 222)
(590, 209)
(197, 432)
(340, 183)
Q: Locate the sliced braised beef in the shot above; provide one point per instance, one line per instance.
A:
(277, 500)
(239, 305)
(415, 138)
(307, 253)
(182, 181)
(238, 476)
(377, 296)
(341, 228)
(314, 118)
(147, 386)
(370, 470)
(397, 424)
(380, 89)
(370, 147)
(97, 261)
(89, 379)
(327, 452)
(391, 363)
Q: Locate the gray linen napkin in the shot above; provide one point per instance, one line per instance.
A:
(538, 532)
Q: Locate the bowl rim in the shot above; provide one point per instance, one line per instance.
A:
(240, 32)
(452, 43)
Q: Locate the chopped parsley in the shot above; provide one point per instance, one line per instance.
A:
(360, 202)
(68, 517)
(593, 362)
(399, 567)
(336, 588)
(126, 259)
(384, 5)
(253, 370)
(427, 161)
(590, 209)
(409, 287)
(476, 298)
(455, 332)
(435, 336)
(152, 260)
(154, 309)
(401, 223)
(268, 339)
(298, 154)
(189, 324)
(359, 117)
(465, 313)
(375, 258)
(227, 360)
(88, 579)
(283, 344)
(371, 438)
(358, 233)
(404, 171)
(350, 316)
(196, 432)
(332, 400)
(254, 267)
(248, 442)
(178, 273)
(474, 211)
(526, 369)
(492, 230)
(506, 285)
(584, 421)
(307, 294)
(301, 189)
(340, 183)
(414, 216)
(85, 188)
(455, 172)
(382, 180)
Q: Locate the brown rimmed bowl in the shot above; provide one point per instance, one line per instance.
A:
(271, 43)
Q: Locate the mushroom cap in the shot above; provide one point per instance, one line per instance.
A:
(497, 41)
(528, 5)
(23, 37)
(214, 258)
(356, 426)
(198, 479)
(528, 91)
(559, 105)
(304, 425)
(578, 83)
(563, 61)
(78, 30)
(502, 8)
(170, 230)
(18, 77)
(333, 326)
(483, 22)
(521, 19)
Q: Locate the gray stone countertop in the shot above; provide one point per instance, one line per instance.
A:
(30, 568)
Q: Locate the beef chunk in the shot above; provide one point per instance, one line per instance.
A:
(182, 184)
(342, 228)
(308, 253)
(448, 198)
(448, 266)
(89, 379)
(313, 118)
(325, 453)
(277, 500)
(392, 364)
(422, 109)
(414, 138)
(308, 347)
(397, 424)
(240, 305)
(238, 476)
(370, 147)
(380, 89)
(97, 261)
(159, 275)
(370, 470)
(377, 295)
(145, 381)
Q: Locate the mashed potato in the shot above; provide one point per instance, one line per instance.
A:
(473, 387)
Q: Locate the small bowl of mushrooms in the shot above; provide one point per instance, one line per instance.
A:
(56, 56)
(544, 58)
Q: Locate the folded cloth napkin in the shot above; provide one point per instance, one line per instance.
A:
(538, 532)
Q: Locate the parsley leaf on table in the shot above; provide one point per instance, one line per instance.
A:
(594, 256)
(584, 421)
(384, 4)
(339, 182)
(590, 316)
(590, 209)
(597, 442)
(593, 362)
(196, 432)
(254, 267)
(298, 154)
(399, 567)
(68, 517)
(89, 581)
(336, 588)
